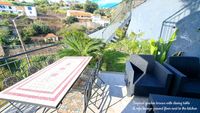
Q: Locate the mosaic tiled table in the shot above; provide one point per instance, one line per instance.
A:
(47, 87)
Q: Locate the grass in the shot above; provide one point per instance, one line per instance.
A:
(114, 61)
(2, 103)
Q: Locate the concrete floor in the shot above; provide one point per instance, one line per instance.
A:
(113, 100)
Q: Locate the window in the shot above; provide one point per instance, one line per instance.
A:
(9, 7)
(29, 8)
(3, 7)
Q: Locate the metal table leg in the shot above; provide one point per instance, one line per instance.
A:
(16, 107)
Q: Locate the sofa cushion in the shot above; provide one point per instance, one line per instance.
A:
(149, 81)
(187, 65)
(191, 88)
(147, 85)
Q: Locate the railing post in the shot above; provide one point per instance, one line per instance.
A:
(8, 65)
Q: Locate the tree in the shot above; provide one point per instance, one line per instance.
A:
(71, 20)
(120, 33)
(4, 35)
(27, 32)
(90, 6)
(41, 28)
(40, 2)
(34, 29)
(76, 7)
(81, 45)
(100, 12)
(4, 22)
(62, 32)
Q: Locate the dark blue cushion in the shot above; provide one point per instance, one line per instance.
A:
(191, 88)
(150, 81)
(187, 65)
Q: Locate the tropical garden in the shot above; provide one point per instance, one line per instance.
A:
(77, 43)
(114, 54)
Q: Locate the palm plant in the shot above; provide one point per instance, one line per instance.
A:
(80, 44)
(160, 48)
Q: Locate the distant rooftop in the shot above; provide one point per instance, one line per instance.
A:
(50, 35)
(5, 3)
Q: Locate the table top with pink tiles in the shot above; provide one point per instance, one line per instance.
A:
(48, 86)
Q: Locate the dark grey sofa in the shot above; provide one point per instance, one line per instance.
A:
(186, 79)
(144, 75)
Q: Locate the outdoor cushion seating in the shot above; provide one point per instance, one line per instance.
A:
(146, 76)
(186, 81)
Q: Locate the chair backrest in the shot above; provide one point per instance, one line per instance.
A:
(32, 70)
(187, 65)
(87, 95)
(9, 81)
(144, 62)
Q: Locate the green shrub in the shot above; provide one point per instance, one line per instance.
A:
(160, 48)
(114, 61)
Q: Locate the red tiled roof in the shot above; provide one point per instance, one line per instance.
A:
(5, 3)
(50, 35)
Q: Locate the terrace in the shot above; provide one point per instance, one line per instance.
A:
(144, 82)
(114, 99)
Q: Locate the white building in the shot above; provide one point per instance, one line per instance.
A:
(30, 11)
(99, 20)
(8, 7)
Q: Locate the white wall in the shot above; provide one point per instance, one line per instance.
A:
(148, 17)
(99, 20)
(188, 37)
(11, 9)
(30, 11)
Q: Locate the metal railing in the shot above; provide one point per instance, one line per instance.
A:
(121, 16)
(169, 24)
(17, 65)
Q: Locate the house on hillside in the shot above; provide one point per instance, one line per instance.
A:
(8, 7)
(29, 11)
(100, 20)
(81, 15)
(48, 38)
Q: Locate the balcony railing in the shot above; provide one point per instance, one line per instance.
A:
(121, 16)
(20, 65)
(169, 25)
